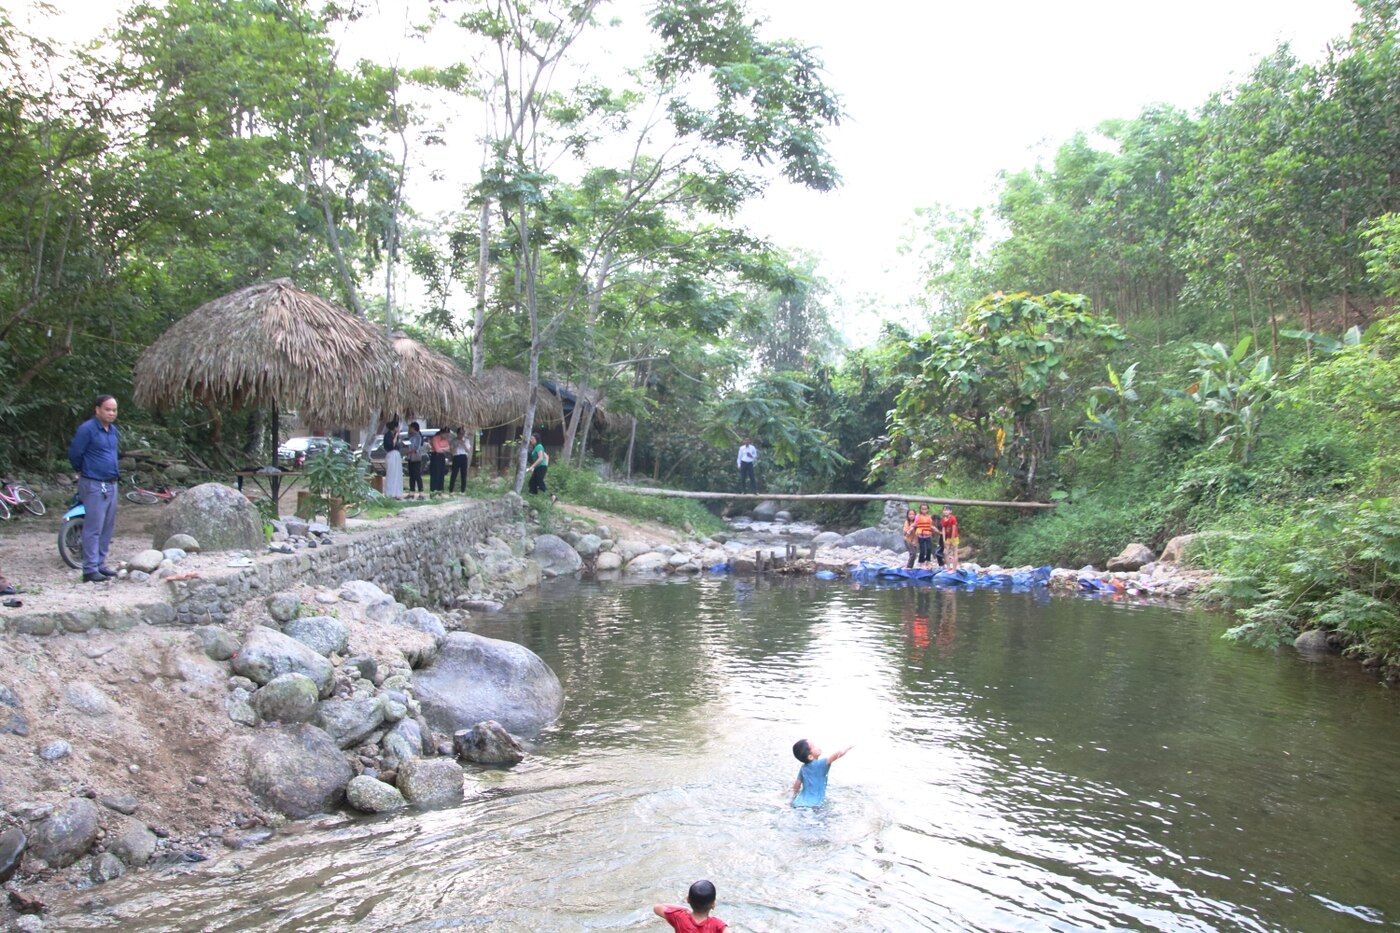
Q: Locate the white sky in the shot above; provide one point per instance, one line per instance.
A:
(941, 95)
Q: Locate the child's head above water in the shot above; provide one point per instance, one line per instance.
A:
(804, 751)
(701, 896)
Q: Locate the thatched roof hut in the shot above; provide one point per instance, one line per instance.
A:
(272, 345)
(433, 386)
(505, 394)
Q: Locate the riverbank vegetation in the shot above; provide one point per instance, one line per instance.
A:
(1178, 322)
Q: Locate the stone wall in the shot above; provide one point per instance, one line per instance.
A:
(424, 550)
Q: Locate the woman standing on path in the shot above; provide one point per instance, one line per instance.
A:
(539, 465)
(393, 460)
(437, 461)
(413, 453)
(460, 459)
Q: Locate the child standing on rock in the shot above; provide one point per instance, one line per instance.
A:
(950, 537)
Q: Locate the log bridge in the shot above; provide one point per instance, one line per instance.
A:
(830, 497)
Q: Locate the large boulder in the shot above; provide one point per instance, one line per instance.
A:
(13, 842)
(325, 635)
(1313, 641)
(1134, 556)
(287, 698)
(297, 770)
(372, 795)
(476, 678)
(874, 537)
(652, 562)
(349, 721)
(132, 842)
(630, 548)
(765, 510)
(555, 556)
(826, 539)
(608, 560)
(267, 653)
(588, 545)
(219, 517)
(67, 834)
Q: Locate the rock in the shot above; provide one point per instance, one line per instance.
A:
(1175, 551)
(429, 783)
(371, 795)
(347, 722)
(476, 678)
(28, 923)
(13, 842)
(629, 548)
(652, 562)
(361, 591)
(239, 707)
(607, 561)
(106, 867)
(283, 607)
(680, 560)
(875, 537)
(364, 665)
(325, 635)
(53, 751)
(67, 834)
(218, 643)
(145, 561)
(243, 839)
(1313, 641)
(783, 516)
(765, 510)
(121, 803)
(411, 735)
(217, 516)
(174, 554)
(826, 539)
(181, 542)
(267, 653)
(297, 770)
(132, 842)
(422, 620)
(12, 718)
(287, 698)
(1133, 557)
(87, 699)
(482, 605)
(555, 556)
(486, 743)
(588, 545)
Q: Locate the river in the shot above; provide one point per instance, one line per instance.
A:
(1020, 763)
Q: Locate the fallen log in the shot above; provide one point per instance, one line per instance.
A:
(829, 497)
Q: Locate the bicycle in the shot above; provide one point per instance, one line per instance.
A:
(16, 495)
(141, 496)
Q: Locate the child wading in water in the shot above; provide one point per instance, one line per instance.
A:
(809, 790)
(696, 919)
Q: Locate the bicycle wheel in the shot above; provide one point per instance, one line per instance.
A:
(30, 500)
(70, 542)
(4, 511)
(142, 497)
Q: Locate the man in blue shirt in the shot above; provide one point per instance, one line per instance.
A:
(93, 454)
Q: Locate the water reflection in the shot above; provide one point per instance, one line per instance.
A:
(1020, 763)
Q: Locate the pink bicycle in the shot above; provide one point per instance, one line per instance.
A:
(15, 496)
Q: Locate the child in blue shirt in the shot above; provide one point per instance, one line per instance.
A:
(809, 790)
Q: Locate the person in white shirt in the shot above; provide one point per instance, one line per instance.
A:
(748, 456)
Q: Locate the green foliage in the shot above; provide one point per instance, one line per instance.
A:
(1233, 390)
(337, 473)
(583, 487)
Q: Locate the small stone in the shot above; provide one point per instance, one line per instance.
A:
(146, 561)
(122, 803)
(31, 810)
(235, 839)
(371, 795)
(174, 554)
(138, 576)
(134, 768)
(53, 751)
(87, 699)
(183, 542)
(106, 867)
(283, 607)
(429, 783)
(13, 842)
(199, 780)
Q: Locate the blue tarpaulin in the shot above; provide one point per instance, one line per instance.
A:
(866, 570)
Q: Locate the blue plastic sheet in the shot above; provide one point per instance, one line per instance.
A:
(824, 575)
(962, 577)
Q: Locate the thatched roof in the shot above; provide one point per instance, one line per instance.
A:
(266, 344)
(505, 393)
(433, 386)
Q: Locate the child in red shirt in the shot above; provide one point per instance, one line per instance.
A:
(950, 537)
(697, 919)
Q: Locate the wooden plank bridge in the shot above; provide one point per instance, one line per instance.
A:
(830, 497)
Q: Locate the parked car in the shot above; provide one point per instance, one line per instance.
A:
(294, 450)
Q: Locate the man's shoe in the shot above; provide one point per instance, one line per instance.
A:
(106, 571)
(94, 578)
(8, 590)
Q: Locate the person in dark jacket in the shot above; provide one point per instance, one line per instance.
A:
(93, 454)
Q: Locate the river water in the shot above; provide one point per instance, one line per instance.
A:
(1020, 763)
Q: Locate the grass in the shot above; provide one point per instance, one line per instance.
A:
(583, 487)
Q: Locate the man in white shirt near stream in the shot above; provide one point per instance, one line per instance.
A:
(748, 456)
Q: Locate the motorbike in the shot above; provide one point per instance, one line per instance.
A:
(70, 535)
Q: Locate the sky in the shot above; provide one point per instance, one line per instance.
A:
(940, 96)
